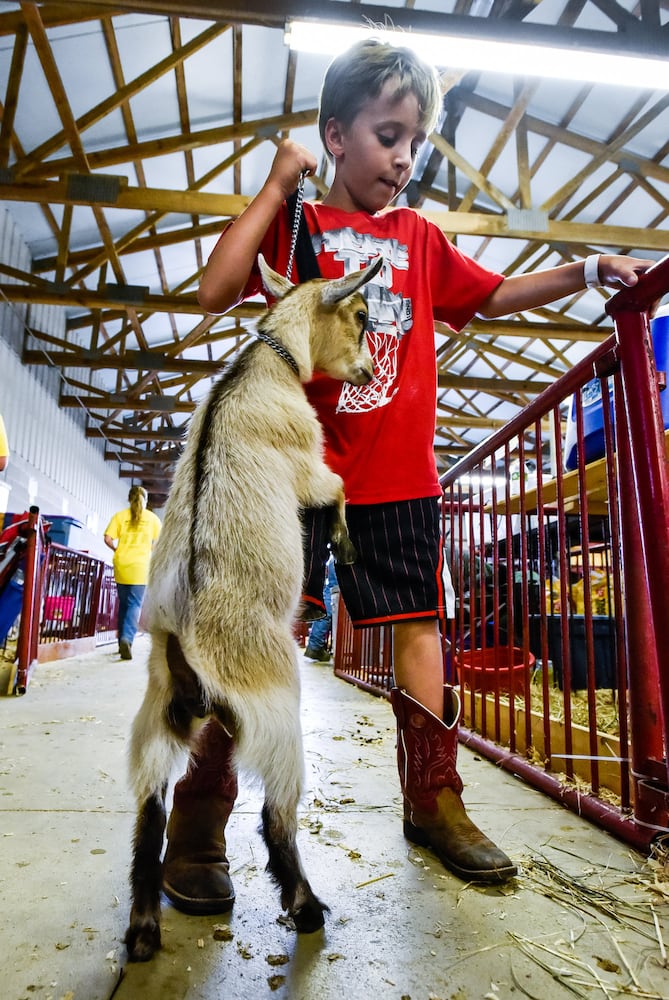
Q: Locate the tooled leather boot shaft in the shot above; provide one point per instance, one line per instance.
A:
(426, 748)
(434, 814)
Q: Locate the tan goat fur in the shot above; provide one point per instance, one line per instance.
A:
(227, 569)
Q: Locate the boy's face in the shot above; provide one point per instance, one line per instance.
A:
(375, 154)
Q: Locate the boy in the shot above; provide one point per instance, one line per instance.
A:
(378, 105)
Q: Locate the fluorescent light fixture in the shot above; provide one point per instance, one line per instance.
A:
(460, 52)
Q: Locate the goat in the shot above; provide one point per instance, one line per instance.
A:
(225, 580)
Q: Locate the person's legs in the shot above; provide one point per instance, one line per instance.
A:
(427, 715)
(131, 603)
(131, 623)
(400, 579)
(319, 634)
(317, 646)
(196, 873)
(418, 663)
(123, 592)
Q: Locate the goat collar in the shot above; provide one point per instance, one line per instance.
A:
(279, 349)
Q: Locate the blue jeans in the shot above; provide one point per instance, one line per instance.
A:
(130, 597)
(320, 630)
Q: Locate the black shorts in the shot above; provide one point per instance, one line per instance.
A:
(399, 573)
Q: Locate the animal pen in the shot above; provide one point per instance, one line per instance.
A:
(560, 640)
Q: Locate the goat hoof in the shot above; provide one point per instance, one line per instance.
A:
(143, 941)
(344, 551)
(310, 917)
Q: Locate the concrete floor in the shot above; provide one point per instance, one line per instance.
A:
(400, 927)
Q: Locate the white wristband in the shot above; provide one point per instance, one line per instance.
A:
(591, 271)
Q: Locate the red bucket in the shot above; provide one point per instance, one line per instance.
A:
(494, 668)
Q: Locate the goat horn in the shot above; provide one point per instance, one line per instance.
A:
(340, 288)
(274, 282)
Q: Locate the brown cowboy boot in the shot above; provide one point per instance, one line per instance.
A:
(434, 814)
(196, 873)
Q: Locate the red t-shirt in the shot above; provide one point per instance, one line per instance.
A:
(380, 437)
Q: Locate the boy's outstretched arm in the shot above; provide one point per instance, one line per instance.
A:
(229, 266)
(527, 291)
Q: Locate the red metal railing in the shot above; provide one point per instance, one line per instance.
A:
(644, 498)
(107, 616)
(363, 656)
(69, 602)
(79, 602)
(559, 641)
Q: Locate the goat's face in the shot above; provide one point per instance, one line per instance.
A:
(337, 317)
(339, 345)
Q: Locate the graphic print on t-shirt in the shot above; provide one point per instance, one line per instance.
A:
(390, 314)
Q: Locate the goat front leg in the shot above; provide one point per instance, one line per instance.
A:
(142, 938)
(327, 490)
(342, 546)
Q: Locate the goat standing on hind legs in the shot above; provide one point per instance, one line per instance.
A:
(226, 578)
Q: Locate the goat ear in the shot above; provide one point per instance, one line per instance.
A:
(274, 282)
(338, 289)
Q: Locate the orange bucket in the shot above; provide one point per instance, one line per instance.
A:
(488, 669)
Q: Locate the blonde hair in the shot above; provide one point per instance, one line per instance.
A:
(361, 72)
(137, 498)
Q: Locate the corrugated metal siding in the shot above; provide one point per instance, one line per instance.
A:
(48, 447)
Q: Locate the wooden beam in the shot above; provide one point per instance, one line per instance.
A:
(12, 94)
(138, 434)
(151, 361)
(577, 234)
(120, 96)
(56, 14)
(103, 158)
(493, 384)
(643, 41)
(110, 297)
(162, 238)
(148, 458)
(123, 401)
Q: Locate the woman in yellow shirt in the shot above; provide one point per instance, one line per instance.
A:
(131, 534)
(4, 446)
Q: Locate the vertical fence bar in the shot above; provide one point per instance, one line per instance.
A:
(615, 484)
(647, 505)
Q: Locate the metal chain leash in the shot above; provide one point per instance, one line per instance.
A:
(296, 223)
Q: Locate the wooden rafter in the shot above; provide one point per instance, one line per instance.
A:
(139, 388)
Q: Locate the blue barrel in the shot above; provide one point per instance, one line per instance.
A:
(659, 328)
(591, 398)
(593, 425)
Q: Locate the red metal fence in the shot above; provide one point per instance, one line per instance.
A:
(69, 600)
(557, 536)
(79, 598)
